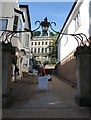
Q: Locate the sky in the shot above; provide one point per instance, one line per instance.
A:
(54, 11)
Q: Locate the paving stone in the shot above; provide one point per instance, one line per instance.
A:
(58, 102)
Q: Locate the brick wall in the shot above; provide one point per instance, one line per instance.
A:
(67, 68)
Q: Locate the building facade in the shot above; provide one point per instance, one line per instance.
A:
(78, 21)
(39, 47)
(16, 18)
(26, 38)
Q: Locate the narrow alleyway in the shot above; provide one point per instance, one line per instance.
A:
(58, 102)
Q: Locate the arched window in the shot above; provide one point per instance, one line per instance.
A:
(45, 43)
(42, 43)
(35, 43)
(31, 43)
(38, 43)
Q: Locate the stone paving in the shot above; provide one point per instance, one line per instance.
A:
(58, 102)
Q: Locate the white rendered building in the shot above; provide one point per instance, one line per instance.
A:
(38, 48)
(14, 19)
(78, 21)
(26, 38)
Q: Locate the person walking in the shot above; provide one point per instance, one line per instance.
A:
(43, 71)
(16, 72)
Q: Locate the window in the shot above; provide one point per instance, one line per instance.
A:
(34, 50)
(45, 43)
(66, 37)
(20, 26)
(38, 50)
(20, 29)
(15, 25)
(26, 40)
(42, 43)
(45, 50)
(38, 43)
(35, 43)
(42, 50)
(31, 50)
(77, 20)
(3, 24)
(49, 49)
(31, 43)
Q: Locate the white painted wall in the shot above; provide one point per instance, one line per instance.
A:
(40, 46)
(24, 39)
(90, 17)
(8, 11)
(26, 25)
(65, 47)
(26, 17)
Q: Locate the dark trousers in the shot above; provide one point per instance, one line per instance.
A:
(43, 73)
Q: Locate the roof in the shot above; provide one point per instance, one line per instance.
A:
(67, 19)
(27, 8)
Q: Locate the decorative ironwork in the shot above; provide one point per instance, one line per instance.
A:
(52, 28)
(7, 35)
(38, 26)
(79, 38)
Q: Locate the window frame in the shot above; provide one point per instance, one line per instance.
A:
(46, 43)
(38, 43)
(26, 41)
(14, 25)
(20, 29)
(6, 20)
(31, 43)
(38, 50)
(42, 43)
(42, 50)
(77, 20)
(35, 43)
(35, 50)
